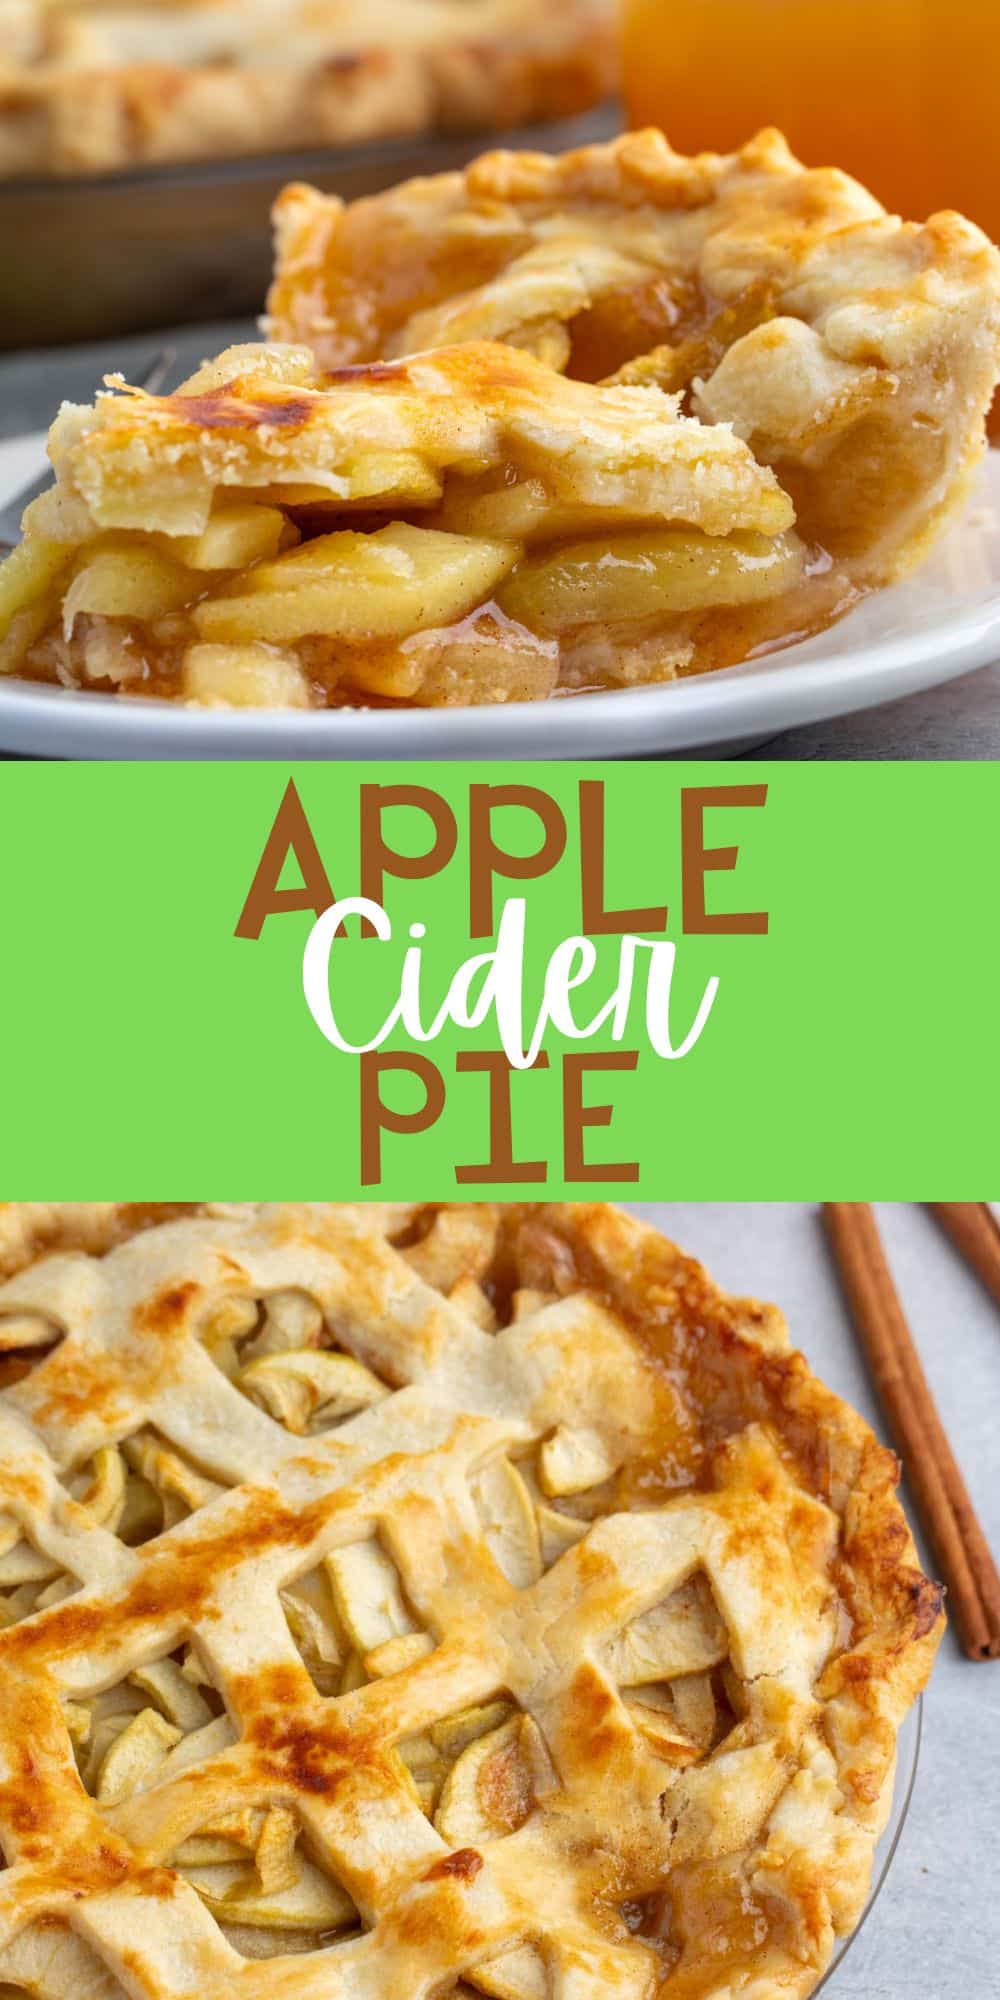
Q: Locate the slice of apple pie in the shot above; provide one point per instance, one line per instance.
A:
(464, 526)
(855, 353)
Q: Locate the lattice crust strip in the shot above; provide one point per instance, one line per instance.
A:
(377, 1622)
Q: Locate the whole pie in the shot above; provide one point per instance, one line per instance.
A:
(89, 86)
(402, 1601)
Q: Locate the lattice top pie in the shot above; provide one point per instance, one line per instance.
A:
(92, 85)
(408, 1601)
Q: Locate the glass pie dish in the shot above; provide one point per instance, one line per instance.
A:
(908, 1744)
(113, 254)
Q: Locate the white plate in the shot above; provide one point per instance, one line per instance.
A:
(930, 628)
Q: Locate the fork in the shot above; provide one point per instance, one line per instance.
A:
(10, 514)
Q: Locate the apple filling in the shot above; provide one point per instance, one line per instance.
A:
(854, 353)
(252, 613)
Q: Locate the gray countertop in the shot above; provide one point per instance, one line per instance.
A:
(958, 720)
(935, 1930)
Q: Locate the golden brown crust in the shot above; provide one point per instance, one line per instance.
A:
(629, 1651)
(412, 267)
(428, 529)
(93, 88)
(30, 1228)
(856, 353)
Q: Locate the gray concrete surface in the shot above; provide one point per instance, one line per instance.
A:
(935, 1929)
(960, 720)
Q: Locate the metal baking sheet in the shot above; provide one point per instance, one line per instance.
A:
(117, 254)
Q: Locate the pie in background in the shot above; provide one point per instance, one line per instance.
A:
(855, 353)
(92, 86)
(463, 526)
(406, 1600)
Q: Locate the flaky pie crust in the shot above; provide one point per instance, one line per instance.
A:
(351, 455)
(265, 417)
(549, 426)
(630, 1611)
(856, 353)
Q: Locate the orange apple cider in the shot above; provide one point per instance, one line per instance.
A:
(905, 94)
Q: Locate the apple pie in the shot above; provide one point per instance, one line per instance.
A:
(410, 1600)
(463, 526)
(90, 86)
(856, 354)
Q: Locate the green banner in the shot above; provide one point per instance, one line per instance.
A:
(708, 981)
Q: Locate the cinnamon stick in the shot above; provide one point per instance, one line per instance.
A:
(974, 1230)
(960, 1547)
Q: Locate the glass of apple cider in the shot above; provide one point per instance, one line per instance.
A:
(905, 94)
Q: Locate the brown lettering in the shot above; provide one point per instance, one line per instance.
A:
(290, 834)
(376, 1116)
(597, 921)
(577, 1116)
(697, 861)
(501, 1165)
(486, 859)
(378, 859)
